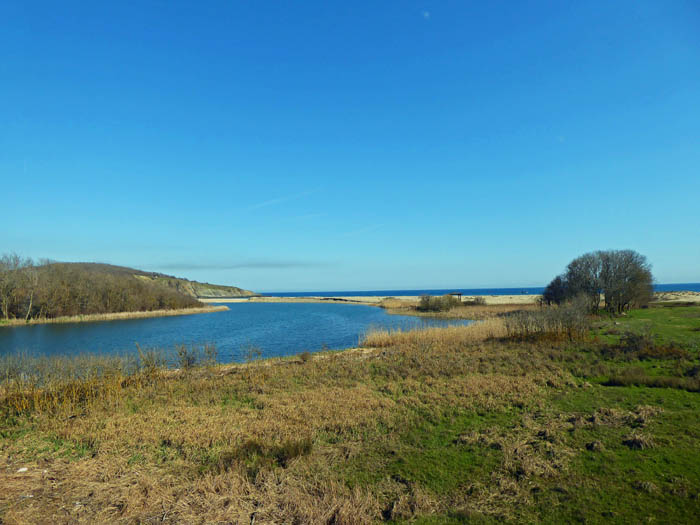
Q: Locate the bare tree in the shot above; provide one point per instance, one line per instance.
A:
(31, 284)
(9, 267)
(583, 278)
(626, 279)
(556, 292)
(622, 277)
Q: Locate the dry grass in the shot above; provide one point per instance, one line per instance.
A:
(114, 316)
(255, 442)
(474, 312)
(451, 335)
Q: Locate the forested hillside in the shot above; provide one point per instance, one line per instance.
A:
(53, 289)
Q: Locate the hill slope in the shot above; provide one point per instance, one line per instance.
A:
(185, 286)
(196, 289)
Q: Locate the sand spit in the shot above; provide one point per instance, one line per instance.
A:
(370, 300)
(373, 300)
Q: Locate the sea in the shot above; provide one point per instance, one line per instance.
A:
(690, 287)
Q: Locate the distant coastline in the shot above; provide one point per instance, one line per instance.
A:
(114, 316)
(675, 296)
(536, 290)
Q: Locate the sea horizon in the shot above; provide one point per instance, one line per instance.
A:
(526, 290)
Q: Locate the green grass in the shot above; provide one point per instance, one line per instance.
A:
(629, 485)
(679, 324)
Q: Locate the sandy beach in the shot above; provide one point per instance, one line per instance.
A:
(679, 296)
(373, 300)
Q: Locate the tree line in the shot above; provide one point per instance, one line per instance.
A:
(622, 278)
(47, 289)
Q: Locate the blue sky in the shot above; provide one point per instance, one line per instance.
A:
(351, 145)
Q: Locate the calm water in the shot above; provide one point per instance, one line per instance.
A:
(277, 329)
(692, 287)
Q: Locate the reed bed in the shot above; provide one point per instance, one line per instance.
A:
(113, 316)
(516, 322)
(50, 384)
(449, 335)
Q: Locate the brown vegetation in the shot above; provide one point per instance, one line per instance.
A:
(450, 335)
(51, 290)
(336, 437)
(473, 310)
(261, 442)
(114, 316)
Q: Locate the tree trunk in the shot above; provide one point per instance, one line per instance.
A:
(29, 308)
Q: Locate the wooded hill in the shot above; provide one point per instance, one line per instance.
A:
(53, 289)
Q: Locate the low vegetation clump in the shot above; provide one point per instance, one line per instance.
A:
(464, 424)
(429, 303)
(566, 322)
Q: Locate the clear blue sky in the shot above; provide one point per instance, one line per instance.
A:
(351, 145)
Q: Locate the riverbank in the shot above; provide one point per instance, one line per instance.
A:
(115, 316)
(435, 426)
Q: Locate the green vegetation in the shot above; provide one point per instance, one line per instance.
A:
(51, 290)
(479, 424)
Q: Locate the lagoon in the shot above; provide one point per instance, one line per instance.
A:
(277, 329)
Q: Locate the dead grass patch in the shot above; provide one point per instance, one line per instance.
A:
(451, 335)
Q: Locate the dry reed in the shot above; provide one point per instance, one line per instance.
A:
(450, 335)
(473, 312)
(114, 316)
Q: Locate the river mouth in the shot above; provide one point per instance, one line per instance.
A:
(275, 329)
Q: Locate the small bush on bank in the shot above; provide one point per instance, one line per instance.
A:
(429, 303)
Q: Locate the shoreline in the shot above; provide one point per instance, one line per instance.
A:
(114, 316)
(372, 300)
(377, 300)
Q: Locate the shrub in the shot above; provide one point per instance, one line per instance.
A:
(567, 322)
(186, 357)
(429, 303)
(643, 345)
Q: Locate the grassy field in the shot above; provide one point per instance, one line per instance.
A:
(462, 425)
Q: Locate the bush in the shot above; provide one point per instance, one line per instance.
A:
(567, 322)
(429, 303)
(186, 357)
(642, 345)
